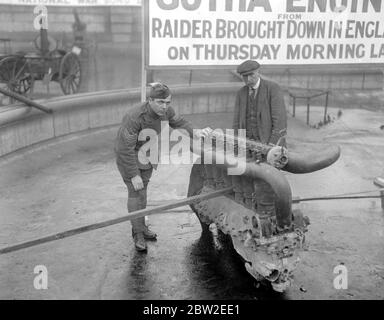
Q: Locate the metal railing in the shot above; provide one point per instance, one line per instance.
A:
(310, 94)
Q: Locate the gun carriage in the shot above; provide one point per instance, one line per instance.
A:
(20, 70)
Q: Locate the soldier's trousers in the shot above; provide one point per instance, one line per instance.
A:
(137, 200)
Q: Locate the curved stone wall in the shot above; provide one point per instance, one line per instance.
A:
(22, 126)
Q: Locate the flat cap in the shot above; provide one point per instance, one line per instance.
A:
(247, 67)
(159, 91)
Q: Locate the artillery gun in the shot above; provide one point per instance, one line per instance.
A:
(20, 70)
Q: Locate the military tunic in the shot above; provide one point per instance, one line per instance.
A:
(127, 146)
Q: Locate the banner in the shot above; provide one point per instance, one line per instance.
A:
(73, 3)
(273, 32)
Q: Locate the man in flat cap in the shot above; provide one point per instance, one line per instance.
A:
(135, 173)
(260, 109)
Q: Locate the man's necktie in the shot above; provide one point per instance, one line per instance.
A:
(252, 93)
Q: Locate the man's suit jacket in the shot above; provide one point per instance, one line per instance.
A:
(271, 111)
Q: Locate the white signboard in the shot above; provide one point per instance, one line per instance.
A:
(273, 32)
(74, 3)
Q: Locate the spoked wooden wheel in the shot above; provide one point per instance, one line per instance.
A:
(70, 73)
(16, 74)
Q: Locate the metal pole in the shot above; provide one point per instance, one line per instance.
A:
(380, 183)
(44, 43)
(25, 100)
(143, 58)
(298, 200)
(190, 77)
(326, 107)
(294, 106)
(308, 99)
(134, 215)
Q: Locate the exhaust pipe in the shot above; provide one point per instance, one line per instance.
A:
(309, 162)
(272, 176)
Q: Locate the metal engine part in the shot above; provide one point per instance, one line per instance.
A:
(272, 256)
(268, 241)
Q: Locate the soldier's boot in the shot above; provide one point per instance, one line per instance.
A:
(149, 235)
(140, 243)
(138, 225)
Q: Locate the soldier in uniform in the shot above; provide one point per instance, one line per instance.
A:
(135, 173)
(260, 109)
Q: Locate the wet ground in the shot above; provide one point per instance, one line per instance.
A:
(73, 182)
